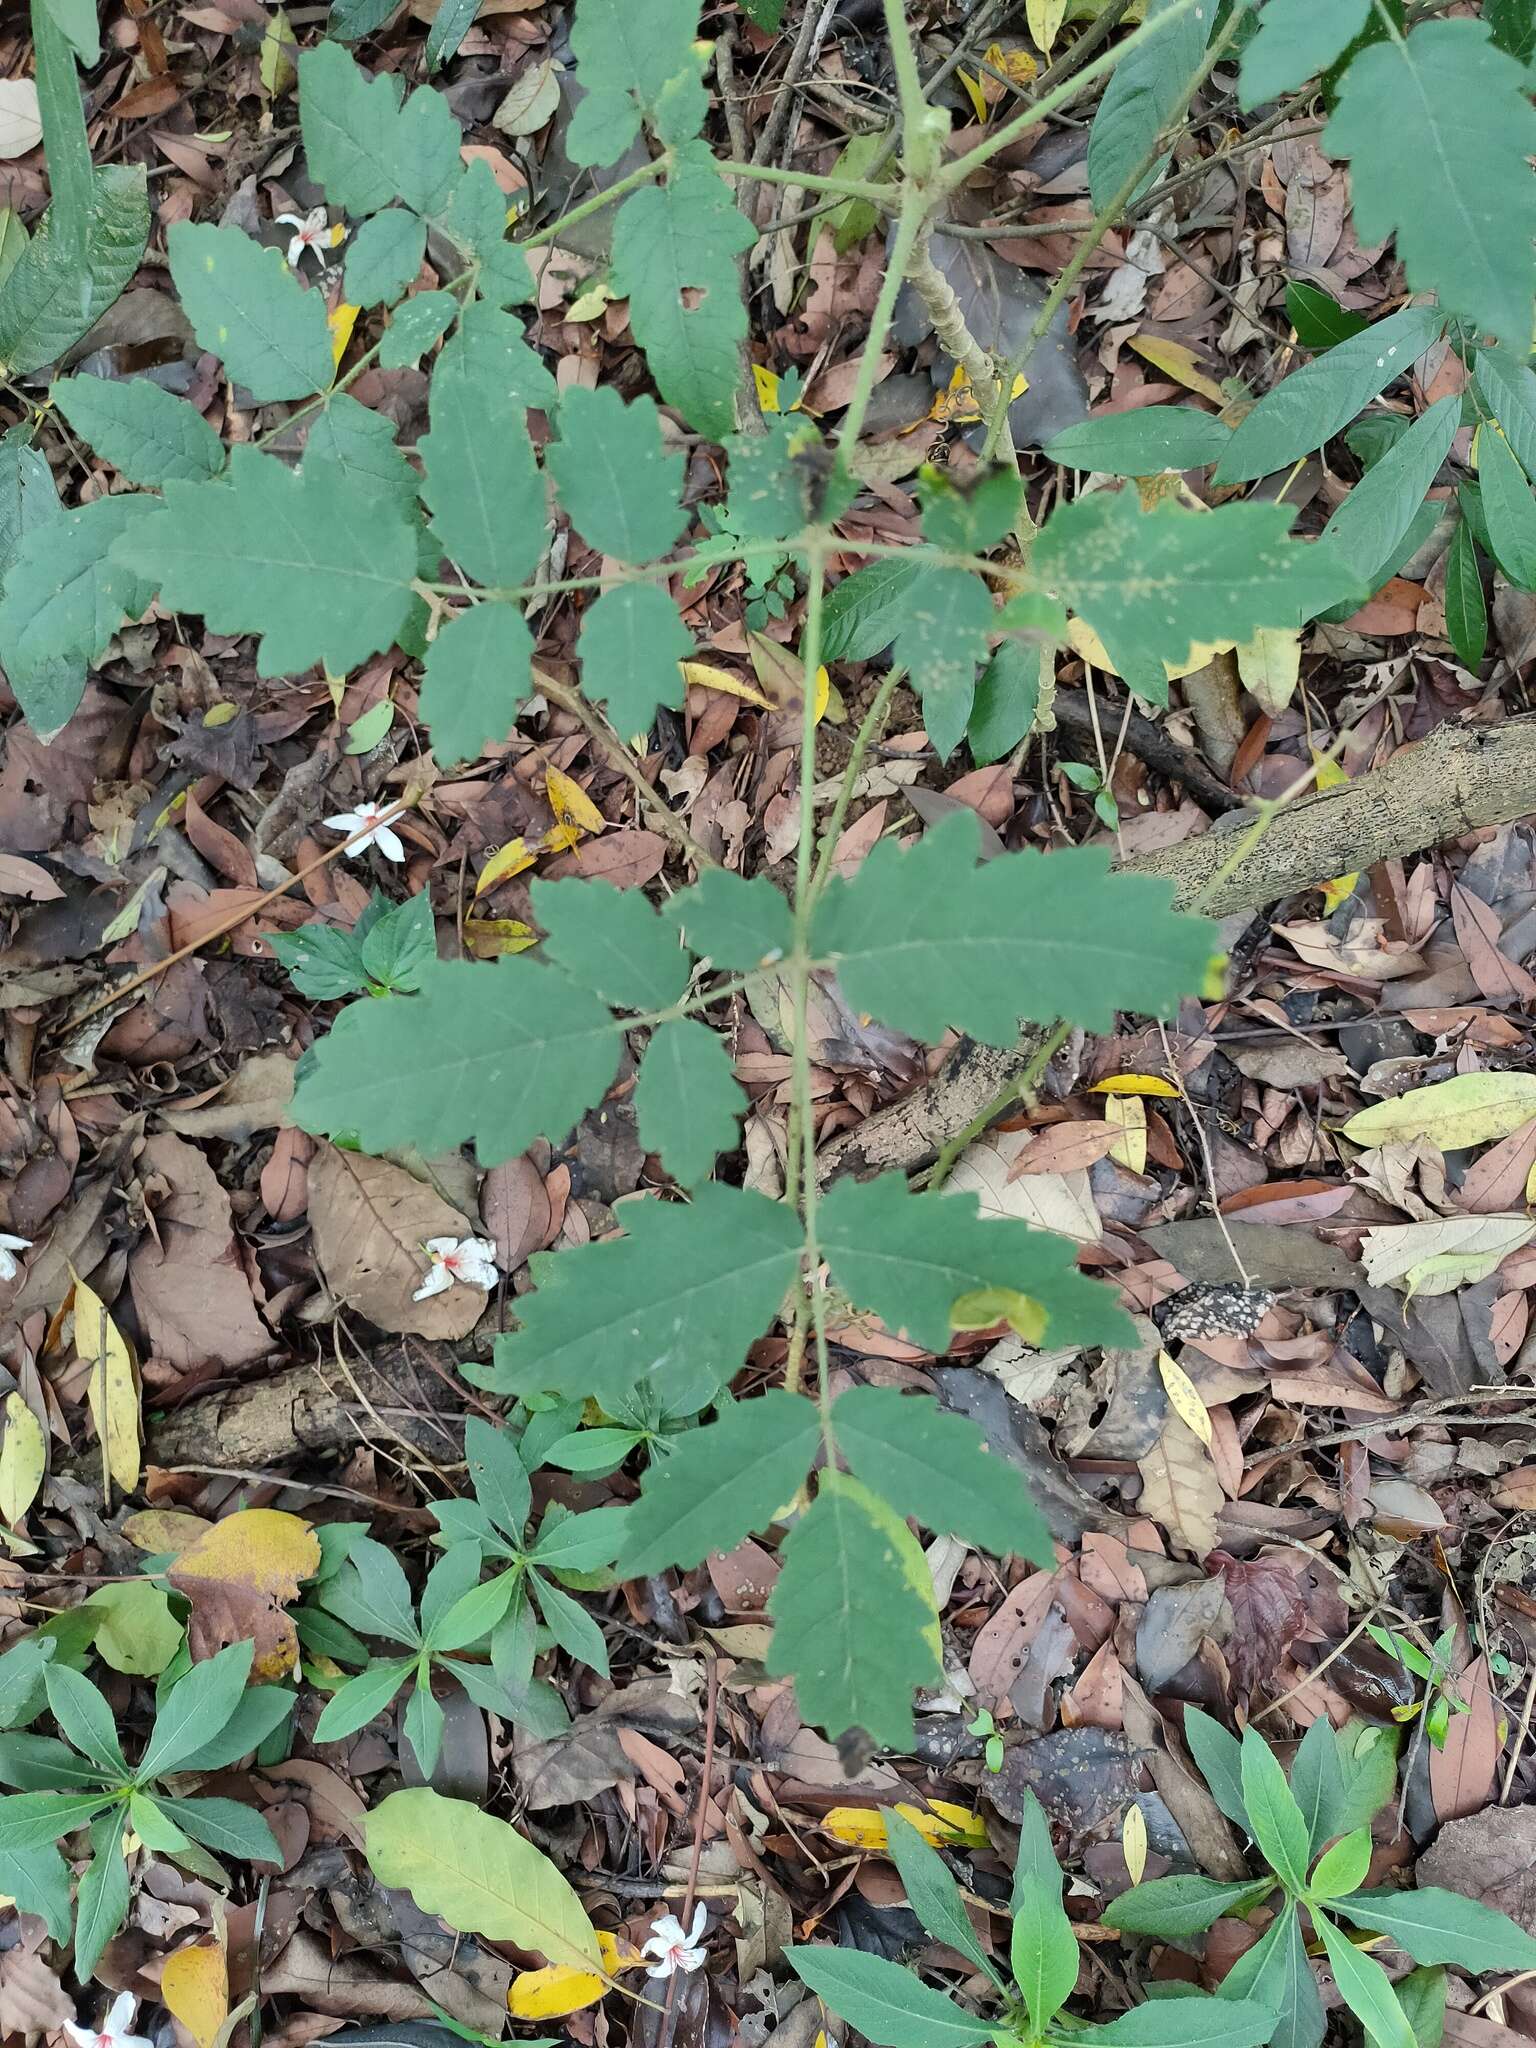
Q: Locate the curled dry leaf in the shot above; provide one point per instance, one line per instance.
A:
(1180, 1490)
(189, 1286)
(1437, 1258)
(239, 1575)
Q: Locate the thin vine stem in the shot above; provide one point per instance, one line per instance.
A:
(871, 723)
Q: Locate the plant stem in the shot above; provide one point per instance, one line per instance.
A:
(621, 188)
(871, 723)
(618, 756)
(843, 188)
(1020, 1086)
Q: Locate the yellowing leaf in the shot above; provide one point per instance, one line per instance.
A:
(341, 322)
(985, 1306)
(941, 1825)
(767, 388)
(1130, 1113)
(505, 862)
(238, 1575)
(1331, 776)
(571, 804)
(974, 94)
(1133, 1842)
(1179, 363)
(23, 1459)
(1083, 640)
(1183, 1398)
(1455, 1114)
(781, 673)
(1270, 666)
(278, 47)
(491, 938)
(1045, 18)
(550, 1993)
(1015, 65)
(1133, 1084)
(110, 1388)
(164, 1530)
(1439, 1257)
(710, 678)
(957, 401)
(194, 1985)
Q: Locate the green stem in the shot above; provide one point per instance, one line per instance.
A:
(1021, 1086)
(909, 221)
(619, 189)
(873, 720)
(843, 188)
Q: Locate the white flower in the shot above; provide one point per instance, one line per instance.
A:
(366, 818)
(111, 2034)
(470, 1259)
(9, 1267)
(674, 1949)
(314, 232)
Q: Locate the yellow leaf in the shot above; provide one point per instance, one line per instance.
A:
(958, 402)
(1017, 65)
(942, 1825)
(276, 67)
(491, 938)
(341, 322)
(1083, 640)
(1133, 1842)
(238, 1575)
(709, 678)
(1183, 1398)
(164, 1530)
(571, 804)
(110, 1388)
(1130, 1113)
(1045, 18)
(23, 1459)
(973, 93)
(550, 1993)
(1270, 666)
(1179, 363)
(985, 1306)
(781, 673)
(1133, 1084)
(1467, 1110)
(505, 862)
(220, 714)
(194, 1985)
(767, 388)
(1331, 776)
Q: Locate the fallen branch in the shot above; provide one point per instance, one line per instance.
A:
(1458, 780)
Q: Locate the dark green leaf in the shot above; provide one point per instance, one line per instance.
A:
(1513, 26)
(973, 517)
(259, 1713)
(499, 1477)
(372, 1594)
(249, 309)
(1219, 1756)
(1297, 39)
(910, 1257)
(1508, 506)
(927, 940)
(227, 1827)
(65, 596)
(398, 946)
(579, 1543)
(1187, 2023)
(360, 444)
(37, 1763)
(364, 147)
(1145, 89)
(384, 257)
(28, 496)
(1449, 173)
(449, 27)
(1421, 1994)
(854, 1618)
(734, 924)
(933, 1894)
(1314, 403)
(144, 432)
(1178, 1908)
(37, 1820)
(77, 18)
(85, 1719)
(611, 941)
(478, 671)
(633, 64)
(322, 960)
(1507, 387)
(1378, 512)
(68, 151)
(1007, 698)
(721, 1483)
(476, 221)
(483, 485)
(863, 614)
(1318, 318)
(1366, 1989)
(321, 574)
(423, 1721)
(621, 490)
(772, 487)
(195, 1710)
(688, 1100)
(53, 295)
(101, 1905)
(455, 1572)
(630, 645)
(39, 1881)
(941, 640)
(887, 2004)
(572, 1627)
(1317, 1784)
(1142, 443)
(361, 1699)
(415, 326)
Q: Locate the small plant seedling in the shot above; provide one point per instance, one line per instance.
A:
(885, 2003)
(986, 1727)
(1091, 782)
(207, 1720)
(1314, 1835)
(385, 951)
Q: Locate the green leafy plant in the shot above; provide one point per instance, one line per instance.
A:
(387, 950)
(207, 1720)
(1313, 1833)
(893, 2009)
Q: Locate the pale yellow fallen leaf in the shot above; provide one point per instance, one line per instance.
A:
(550, 1993)
(1179, 363)
(23, 1459)
(505, 862)
(194, 1985)
(111, 1389)
(1467, 1110)
(708, 677)
(1133, 1084)
(942, 1824)
(1183, 1397)
(1130, 1113)
(1270, 666)
(571, 804)
(1133, 1842)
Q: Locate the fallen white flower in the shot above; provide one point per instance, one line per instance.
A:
(314, 232)
(9, 1265)
(111, 2034)
(674, 1948)
(470, 1259)
(367, 818)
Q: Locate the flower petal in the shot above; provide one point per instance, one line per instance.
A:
(438, 1281)
(388, 843)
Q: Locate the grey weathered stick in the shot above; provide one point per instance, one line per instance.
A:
(1459, 779)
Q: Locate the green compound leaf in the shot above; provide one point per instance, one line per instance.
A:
(721, 1483)
(885, 2002)
(622, 491)
(631, 643)
(1508, 506)
(1449, 172)
(772, 490)
(476, 221)
(247, 307)
(926, 940)
(53, 295)
(1142, 443)
(1437, 1926)
(320, 574)
(670, 1307)
(145, 433)
(911, 1257)
(936, 1467)
(682, 237)
(972, 517)
(478, 671)
(414, 327)
(1316, 402)
(1297, 40)
(1144, 89)
(633, 63)
(611, 941)
(361, 444)
(502, 1054)
(364, 147)
(384, 257)
(1466, 608)
(1151, 584)
(855, 1624)
(942, 639)
(732, 923)
(688, 1100)
(65, 596)
(1178, 1908)
(483, 486)
(1370, 525)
